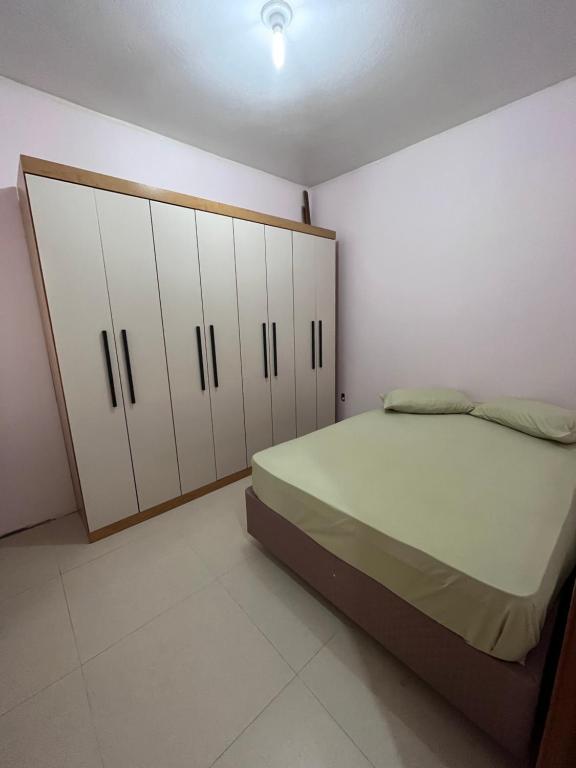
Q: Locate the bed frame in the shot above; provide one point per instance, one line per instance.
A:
(509, 701)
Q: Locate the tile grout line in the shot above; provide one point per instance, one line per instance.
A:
(58, 679)
(278, 651)
(93, 559)
(330, 715)
(295, 676)
(148, 621)
(251, 620)
(137, 537)
(213, 579)
(264, 708)
(36, 585)
(84, 683)
(40, 690)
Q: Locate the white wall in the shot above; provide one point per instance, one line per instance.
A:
(457, 259)
(34, 477)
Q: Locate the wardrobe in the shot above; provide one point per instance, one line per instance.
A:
(183, 335)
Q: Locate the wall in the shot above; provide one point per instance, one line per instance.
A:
(34, 477)
(457, 259)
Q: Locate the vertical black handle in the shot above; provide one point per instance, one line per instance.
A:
(124, 336)
(313, 347)
(200, 358)
(265, 348)
(109, 369)
(214, 361)
(274, 350)
(320, 343)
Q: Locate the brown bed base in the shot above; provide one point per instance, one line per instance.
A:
(507, 700)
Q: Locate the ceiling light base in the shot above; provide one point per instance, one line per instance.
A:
(276, 14)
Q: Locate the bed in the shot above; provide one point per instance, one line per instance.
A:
(446, 537)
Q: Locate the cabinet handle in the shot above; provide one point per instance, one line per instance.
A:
(320, 343)
(124, 336)
(200, 358)
(265, 348)
(109, 369)
(313, 347)
(214, 361)
(274, 350)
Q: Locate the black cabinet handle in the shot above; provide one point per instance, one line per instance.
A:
(320, 343)
(265, 348)
(109, 369)
(214, 361)
(274, 350)
(200, 358)
(124, 336)
(313, 347)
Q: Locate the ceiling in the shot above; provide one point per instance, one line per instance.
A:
(362, 79)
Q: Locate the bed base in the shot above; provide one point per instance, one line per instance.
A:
(505, 699)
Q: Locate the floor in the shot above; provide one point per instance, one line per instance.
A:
(180, 643)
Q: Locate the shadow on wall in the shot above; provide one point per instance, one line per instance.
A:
(34, 472)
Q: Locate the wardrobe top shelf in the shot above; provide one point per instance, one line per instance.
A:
(39, 167)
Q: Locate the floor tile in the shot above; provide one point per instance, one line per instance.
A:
(122, 590)
(293, 731)
(71, 547)
(295, 620)
(215, 526)
(52, 729)
(395, 719)
(26, 560)
(178, 691)
(36, 642)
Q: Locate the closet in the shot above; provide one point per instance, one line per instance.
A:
(314, 331)
(129, 262)
(184, 330)
(218, 275)
(81, 323)
(184, 335)
(266, 313)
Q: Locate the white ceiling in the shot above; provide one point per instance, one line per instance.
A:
(363, 78)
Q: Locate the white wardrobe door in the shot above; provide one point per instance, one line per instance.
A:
(181, 302)
(254, 346)
(128, 249)
(304, 261)
(281, 318)
(66, 228)
(218, 276)
(326, 330)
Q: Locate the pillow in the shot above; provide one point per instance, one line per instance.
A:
(532, 417)
(427, 401)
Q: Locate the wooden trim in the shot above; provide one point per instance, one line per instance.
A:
(558, 745)
(38, 277)
(146, 514)
(38, 167)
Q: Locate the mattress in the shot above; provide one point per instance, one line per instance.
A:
(471, 522)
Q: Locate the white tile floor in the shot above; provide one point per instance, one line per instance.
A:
(180, 644)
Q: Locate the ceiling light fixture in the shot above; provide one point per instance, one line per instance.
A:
(277, 15)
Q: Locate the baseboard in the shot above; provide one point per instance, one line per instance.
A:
(146, 514)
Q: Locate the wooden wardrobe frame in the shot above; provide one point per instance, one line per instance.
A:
(38, 167)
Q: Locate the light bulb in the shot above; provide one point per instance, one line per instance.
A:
(277, 15)
(278, 47)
